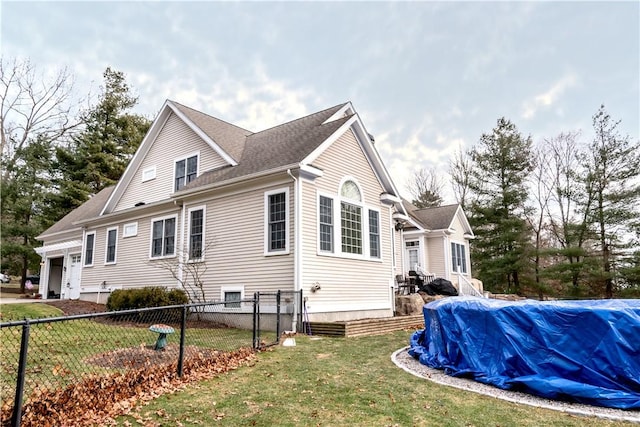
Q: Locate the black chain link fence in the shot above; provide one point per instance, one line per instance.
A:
(42, 355)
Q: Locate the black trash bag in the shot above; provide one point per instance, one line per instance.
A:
(441, 286)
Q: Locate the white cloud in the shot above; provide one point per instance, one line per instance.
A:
(548, 98)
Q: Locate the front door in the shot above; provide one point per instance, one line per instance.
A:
(412, 252)
(73, 283)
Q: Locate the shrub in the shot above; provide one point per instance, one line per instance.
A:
(126, 299)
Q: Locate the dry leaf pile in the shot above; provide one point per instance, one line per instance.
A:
(96, 400)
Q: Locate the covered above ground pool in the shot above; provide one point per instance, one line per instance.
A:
(581, 351)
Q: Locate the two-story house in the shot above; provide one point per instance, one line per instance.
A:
(307, 205)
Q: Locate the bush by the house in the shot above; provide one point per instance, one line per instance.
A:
(128, 299)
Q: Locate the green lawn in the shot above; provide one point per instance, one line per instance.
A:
(320, 381)
(339, 382)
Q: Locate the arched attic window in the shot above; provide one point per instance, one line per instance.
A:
(350, 190)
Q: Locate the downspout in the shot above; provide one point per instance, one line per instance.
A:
(297, 266)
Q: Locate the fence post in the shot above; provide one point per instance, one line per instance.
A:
(22, 367)
(278, 317)
(256, 320)
(183, 332)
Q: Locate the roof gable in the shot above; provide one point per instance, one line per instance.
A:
(352, 120)
(438, 217)
(285, 145)
(230, 138)
(206, 127)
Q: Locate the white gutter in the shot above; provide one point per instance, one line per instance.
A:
(297, 267)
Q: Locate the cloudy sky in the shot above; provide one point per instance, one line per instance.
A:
(426, 78)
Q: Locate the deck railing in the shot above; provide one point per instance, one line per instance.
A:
(466, 288)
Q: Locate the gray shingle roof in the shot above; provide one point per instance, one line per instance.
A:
(89, 209)
(229, 137)
(278, 146)
(436, 218)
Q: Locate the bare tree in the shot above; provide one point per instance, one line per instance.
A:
(189, 271)
(540, 193)
(426, 188)
(33, 105)
(460, 171)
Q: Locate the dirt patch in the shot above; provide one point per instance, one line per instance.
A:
(74, 307)
(145, 356)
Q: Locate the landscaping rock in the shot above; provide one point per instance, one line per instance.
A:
(409, 304)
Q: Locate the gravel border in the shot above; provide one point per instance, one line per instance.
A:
(403, 360)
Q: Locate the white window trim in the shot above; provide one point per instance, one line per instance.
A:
(129, 225)
(285, 251)
(106, 246)
(203, 208)
(175, 243)
(225, 289)
(337, 227)
(333, 217)
(149, 173)
(84, 249)
(379, 234)
(465, 260)
(357, 183)
(178, 159)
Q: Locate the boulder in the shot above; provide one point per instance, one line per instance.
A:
(409, 304)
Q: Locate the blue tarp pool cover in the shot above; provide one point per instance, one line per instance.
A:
(580, 351)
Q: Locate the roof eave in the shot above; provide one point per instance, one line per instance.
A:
(204, 188)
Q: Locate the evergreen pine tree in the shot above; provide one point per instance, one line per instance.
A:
(502, 161)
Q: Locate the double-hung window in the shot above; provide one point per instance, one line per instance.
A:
(110, 252)
(374, 234)
(196, 233)
(326, 224)
(89, 248)
(186, 171)
(163, 237)
(458, 258)
(276, 227)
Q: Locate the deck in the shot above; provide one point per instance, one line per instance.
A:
(364, 327)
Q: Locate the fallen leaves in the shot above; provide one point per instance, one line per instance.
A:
(98, 399)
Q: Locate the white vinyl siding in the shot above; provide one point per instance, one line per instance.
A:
(235, 250)
(89, 249)
(134, 268)
(348, 282)
(176, 138)
(111, 245)
(437, 256)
